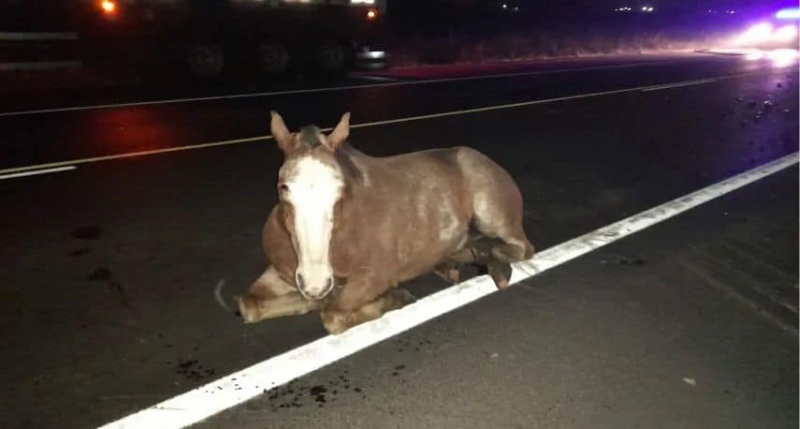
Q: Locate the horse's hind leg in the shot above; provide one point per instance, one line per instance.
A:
(270, 297)
(477, 252)
(506, 240)
(503, 255)
(483, 253)
(515, 248)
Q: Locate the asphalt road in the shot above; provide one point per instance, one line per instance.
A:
(59, 136)
(108, 270)
(122, 88)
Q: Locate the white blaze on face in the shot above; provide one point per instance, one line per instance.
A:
(314, 190)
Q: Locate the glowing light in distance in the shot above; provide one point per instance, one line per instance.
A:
(785, 33)
(757, 33)
(783, 57)
(788, 13)
(108, 6)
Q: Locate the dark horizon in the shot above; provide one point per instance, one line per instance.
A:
(445, 16)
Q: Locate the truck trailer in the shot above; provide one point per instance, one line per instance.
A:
(208, 38)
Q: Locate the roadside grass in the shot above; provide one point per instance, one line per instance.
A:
(412, 52)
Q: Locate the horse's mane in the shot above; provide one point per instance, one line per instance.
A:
(344, 156)
(310, 136)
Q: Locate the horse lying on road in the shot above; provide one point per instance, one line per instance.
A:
(349, 227)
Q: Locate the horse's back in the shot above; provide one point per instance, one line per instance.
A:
(465, 159)
(477, 175)
(483, 175)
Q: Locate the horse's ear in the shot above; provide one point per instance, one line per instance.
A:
(280, 133)
(339, 134)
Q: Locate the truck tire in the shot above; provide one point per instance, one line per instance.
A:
(272, 58)
(205, 60)
(331, 57)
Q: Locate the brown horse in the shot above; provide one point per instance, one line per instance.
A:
(349, 227)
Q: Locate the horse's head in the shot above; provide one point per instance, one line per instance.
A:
(310, 186)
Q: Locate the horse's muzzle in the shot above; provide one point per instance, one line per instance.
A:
(314, 292)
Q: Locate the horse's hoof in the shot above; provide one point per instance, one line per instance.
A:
(397, 299)
(407, 297)
(454, 275)
(248, 309)
(334, 323)
(500, 274)
(448, 272)
(336, 329)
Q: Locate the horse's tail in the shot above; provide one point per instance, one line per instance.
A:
(218, 296)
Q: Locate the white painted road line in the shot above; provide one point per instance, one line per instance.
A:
(40, 65)
(679, 85)
(363, 125)
(37, 172)
(234, 389)
(332, 89)
(380, 78)
(135, 154)
(37, 35)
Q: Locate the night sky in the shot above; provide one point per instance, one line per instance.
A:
(574, 5)
(488, 16)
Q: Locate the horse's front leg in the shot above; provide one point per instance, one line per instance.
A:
(271, 297)
(336, 322)
(360, 301)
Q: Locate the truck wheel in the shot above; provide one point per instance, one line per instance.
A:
(331, 57)
(272, 58)
(205, 60)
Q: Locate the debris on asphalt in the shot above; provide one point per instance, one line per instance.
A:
(192, 370)
(91, 232)
(296, 394)
(79, 252)
(630, 262)
(100, 274)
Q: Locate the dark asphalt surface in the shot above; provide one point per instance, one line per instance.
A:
(74, 135)
(107, 271)
(123, 88)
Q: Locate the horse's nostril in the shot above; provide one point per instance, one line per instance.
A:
(329, 284)
(300, 282)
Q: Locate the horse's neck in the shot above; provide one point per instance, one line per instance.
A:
(358, 188)
(350, 151)
(354, 165)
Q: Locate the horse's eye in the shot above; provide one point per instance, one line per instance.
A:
(283, 188)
